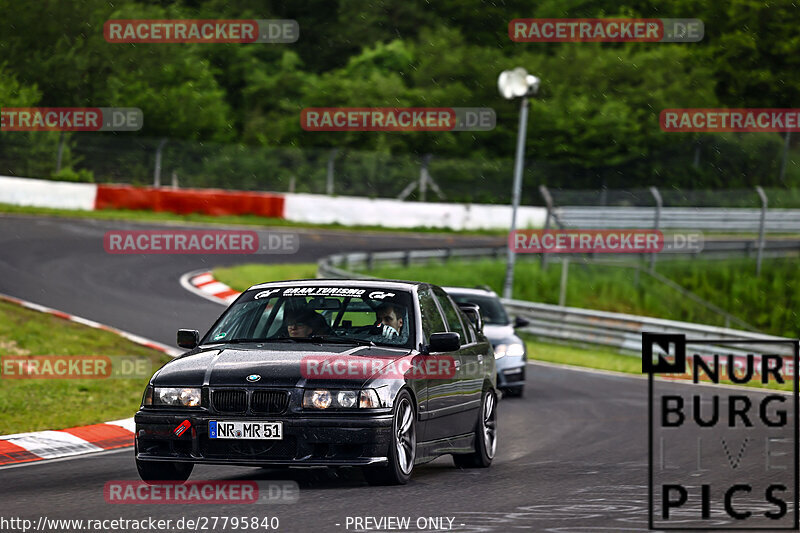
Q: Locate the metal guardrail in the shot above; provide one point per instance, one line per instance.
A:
(624, 332)
(619, 331)
(718, 248)
(679, 218)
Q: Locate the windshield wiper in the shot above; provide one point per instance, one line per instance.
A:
(241, 341)
(342, 340)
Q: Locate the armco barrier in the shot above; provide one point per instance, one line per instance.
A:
(185, 201)
(619, 331)
(738, 219)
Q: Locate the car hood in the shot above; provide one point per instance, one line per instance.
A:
(278, 365)
(500, 334)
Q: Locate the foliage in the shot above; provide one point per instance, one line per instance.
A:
(594, 123)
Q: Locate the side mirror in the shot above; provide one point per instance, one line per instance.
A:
(188, 338)
(444, 342)
(520, 322)
(473, 312)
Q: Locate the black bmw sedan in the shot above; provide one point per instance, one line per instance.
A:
(379, 374)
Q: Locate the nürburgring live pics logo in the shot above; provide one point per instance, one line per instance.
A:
(722, 457)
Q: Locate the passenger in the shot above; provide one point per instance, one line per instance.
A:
(389, 317)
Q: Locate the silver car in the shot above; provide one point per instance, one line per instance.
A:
(510, 352)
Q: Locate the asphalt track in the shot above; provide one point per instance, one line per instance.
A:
(573, 453)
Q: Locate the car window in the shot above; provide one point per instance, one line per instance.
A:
(432, 321)
(492, 311)
(451, 313)
(471, 334)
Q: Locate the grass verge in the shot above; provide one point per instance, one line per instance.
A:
(244, 276)
(598, 357)
(604, 359)
(38, 404)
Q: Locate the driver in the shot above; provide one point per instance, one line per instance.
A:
(306, 323)
(389, 318)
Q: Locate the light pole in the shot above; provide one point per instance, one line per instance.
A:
(516, 83)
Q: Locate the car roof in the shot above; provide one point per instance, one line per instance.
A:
(465, 290)
(326, 282)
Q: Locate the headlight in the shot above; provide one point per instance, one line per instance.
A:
(513, 350)
(346, 398)
(342, 399)
(320, 399)
(176, 397)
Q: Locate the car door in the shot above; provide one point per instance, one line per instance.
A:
(469, 376)
(441, 414)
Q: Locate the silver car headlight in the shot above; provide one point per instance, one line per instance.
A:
(512, 350)
(176, 396)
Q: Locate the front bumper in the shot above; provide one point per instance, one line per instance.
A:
(511, 372)
(307, 440)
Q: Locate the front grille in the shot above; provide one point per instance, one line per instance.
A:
(269, 401)
(229, 401)
(265, 401)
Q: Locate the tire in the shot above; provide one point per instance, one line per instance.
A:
(153, 472)
(402, 449)
(485, 436)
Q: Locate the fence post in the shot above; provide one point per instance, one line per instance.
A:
(174, 180)
(562, 293)
(656, 222)
(761, 224)
(785, 156)
(60, 152)
(548, 202)
(157, 171)
(370, 261)
(423, 177)
(329, 178)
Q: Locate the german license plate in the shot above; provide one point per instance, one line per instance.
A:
(223, 429)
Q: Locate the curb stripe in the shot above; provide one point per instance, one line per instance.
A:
(204, 284)
(10, 453)
(105, 436)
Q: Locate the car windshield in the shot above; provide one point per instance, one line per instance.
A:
(335, 314)
(492, 311)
